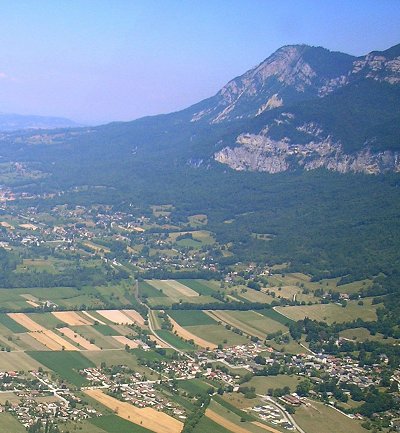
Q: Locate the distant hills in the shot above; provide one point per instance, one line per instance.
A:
(15, 122)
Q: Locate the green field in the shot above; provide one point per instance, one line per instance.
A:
(274, 315)
(9, 424)
(174, 340)
(194, 386)
(207, 425)
(147, 290)
(65, 363)
(11, 324)
(115, 424)
(318, 418)
(263, 383)
(331, 313)
(200, 286)
(217, 334)
(191, 317)
(244, 415)
(102, 341)
(106, 330)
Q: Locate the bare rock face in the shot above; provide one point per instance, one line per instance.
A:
(258, 152)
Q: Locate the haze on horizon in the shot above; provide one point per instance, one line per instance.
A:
(97, 61)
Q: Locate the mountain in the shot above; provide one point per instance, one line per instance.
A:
(15, 122)
(301, 108)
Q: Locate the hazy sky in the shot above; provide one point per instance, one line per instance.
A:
(97, 60)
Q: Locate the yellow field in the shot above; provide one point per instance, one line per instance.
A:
(44, 336)
(71, 318)
(93, 318)
(265, 427)
(116, 316)
(134, 315)
(151, 419)
(126, 341)
(229, 425)
(173, 289)
(85, 344)
(26, 321)
(185, 334)
(32, 303)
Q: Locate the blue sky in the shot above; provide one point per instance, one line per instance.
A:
(96, 60)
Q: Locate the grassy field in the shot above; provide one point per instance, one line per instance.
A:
(10, 424)
(105, 330)
(47, 320)
(217, 334)
(207, 425)
(272, 314)
(115, 424)
(102, 341)
(318, 418)
(194, 386)
(200, 286)
(65, 363)
(174, 340)
(146, 289)
(11, 324)
(227, 405)
(191, 317)
(362, 334)
(263, 383)
(250, 322)
(19, 361)
(331, 313)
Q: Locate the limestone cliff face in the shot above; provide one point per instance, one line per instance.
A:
(259, 152)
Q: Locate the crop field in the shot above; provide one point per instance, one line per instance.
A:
(173, 339)
(216, 334)
(250, 322)
(115, 424)
(200, 286)
(208, 425)
(187, 334)
(331, 312)
(81, 342)
(125, 341)
(71, 318)
(147, 290)
(274, 315)
(318, 417)
(11, 324)
(191, 317)
(135, 316)
(254, 295)
(93, 317)
(65, 363)
(20, 361)
(173, 289)
(194, 386)
(92, 333)
(149, 418)
(116, 316)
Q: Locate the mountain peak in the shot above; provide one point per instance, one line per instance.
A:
(291, 74)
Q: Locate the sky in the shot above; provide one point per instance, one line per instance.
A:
(96, 61)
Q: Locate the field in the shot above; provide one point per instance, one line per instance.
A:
(92, 333)
(126, 341)
(173, 289)
(208, 425)
(20, 361)
(200, 286)
(174, 340)
(115, 424)
(81, 342)
(263, 383)
(217, 334)
(362, 334)
(331, 312)
(135, 316)
(317, 417)
(186, 334)
(10, 424)
(191, 317)
(71, 318)
(151, 419)
(65, 364)
(11, 324)
(116, 316)
(250, 322)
